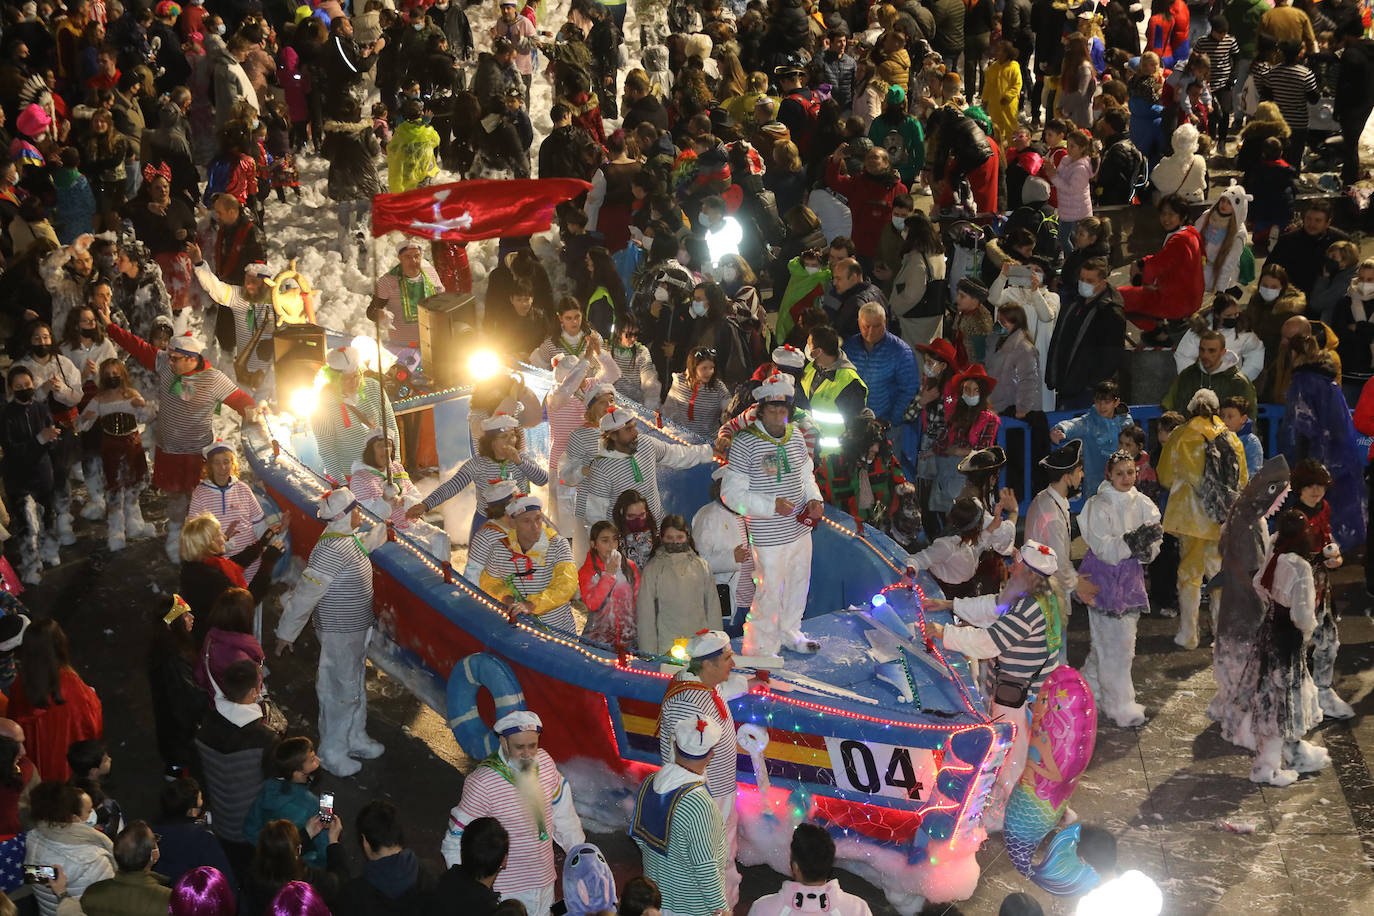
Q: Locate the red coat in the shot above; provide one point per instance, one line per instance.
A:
(870, 204)
(1175, 272)
(49, 732)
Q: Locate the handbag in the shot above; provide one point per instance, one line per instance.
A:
(1321, 115)
(1011, 692)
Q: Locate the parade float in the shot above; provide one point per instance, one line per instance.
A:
(880, 736)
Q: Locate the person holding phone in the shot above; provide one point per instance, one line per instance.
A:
(63, 838)
(287, 794)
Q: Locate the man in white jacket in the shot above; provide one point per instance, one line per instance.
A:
(336, 585)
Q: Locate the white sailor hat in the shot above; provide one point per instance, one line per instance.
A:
(707, 644)
(522, 720)
(499, 422)
(597, 391)
(219, 445)
(564, 366)
(615, 419)
(408, 244)
(522, 504)
(258, 269)
(374, 434)
(342, 359)
(778, 387)
(187, 344)
(334, 503)
(501, 491)
(695, 737)
(1040, 557)
(789, 357)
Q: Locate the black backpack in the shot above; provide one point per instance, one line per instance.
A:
(1220, 484)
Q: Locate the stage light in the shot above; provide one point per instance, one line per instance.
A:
(482, 365)
(303, 401)
(679, 650)
(1132, 894)
(367, 351)
(878, 600)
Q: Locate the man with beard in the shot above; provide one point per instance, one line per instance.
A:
(1024, 640)
(1047, 519)
(770, 481)
(622, 465)
(249, 304)
(520, 786)
(349, 408)
(677, 826)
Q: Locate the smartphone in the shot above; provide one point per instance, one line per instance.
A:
(326, 807)
(39, 874)
(1019, 275)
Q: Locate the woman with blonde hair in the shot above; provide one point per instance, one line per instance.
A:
(1266, 122)
(1224, 238)
(206, 573)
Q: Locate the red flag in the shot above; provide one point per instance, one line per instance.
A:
(466, 211)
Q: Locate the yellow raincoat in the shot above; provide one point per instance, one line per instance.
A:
(410, 156)
(1002, 97)
(1180, 469)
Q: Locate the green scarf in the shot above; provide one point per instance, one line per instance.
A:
(784, 466)
(1049, 607)
(410, 305)
(495, 762)
(639, 475)
(334, 534)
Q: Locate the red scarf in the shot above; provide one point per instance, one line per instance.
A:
(232, 571)
(677, 687)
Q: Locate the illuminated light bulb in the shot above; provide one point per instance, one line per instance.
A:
(483, 364)
(303, 401)
(367, 353)
(878, 600)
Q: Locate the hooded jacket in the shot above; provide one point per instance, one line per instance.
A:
(870, 204)
(85, 854)
(1223, 275)
(1172, 278)
(1245, 345)
(1015, 363)
(1227, 381)
(1183, 171)
(352, 150)
(677, 597)
(1180, 469)
(394, 885)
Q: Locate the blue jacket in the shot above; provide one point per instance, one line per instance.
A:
(889, 371)
(1100, 437)
(1254, 449)
(280, 799)
(74, 214)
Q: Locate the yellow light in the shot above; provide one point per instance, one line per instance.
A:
(303, 401)
(367, 353)
(679, 650)
(483, 364)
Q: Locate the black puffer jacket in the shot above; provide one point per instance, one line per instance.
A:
(788, 31)
(959, 136)
(352, 150)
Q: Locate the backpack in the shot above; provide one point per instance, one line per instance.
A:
(217, 178)
(1220, 484)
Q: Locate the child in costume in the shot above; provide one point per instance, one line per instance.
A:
(1284, 705)
(953, 557)
(117, 408)
(1123, 531)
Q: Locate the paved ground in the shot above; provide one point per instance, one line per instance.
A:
(1162, 788)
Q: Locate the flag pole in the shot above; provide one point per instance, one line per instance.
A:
(377, 332)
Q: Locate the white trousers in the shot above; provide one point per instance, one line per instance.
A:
(729, 814)
(339, 684)
(537, 902)
(1108, 669)
(784, 578)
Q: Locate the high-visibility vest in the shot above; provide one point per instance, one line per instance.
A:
(822, 394)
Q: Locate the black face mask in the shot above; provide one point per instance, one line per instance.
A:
(1228, 323)
(24, 395)
(112, 382)
(90, 333)
(39, 349)
(676, 548)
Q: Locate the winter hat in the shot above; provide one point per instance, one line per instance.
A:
(1040, 557)
(219, 445)
(588, 885)
(522, 720)
(343, 359)
(32, 121)
(499, 423)
(522, 504)
(167, 10)
(1036, 190)
(706, 644)
(616, 419)
(778, 387)
(335, 503)
(896, 95)
(187, 345)
(971, 287)
(788, 357)
(12, 628)
(1205, 399)
(695, 737)
(1185, 140)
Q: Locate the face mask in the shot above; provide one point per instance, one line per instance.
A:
(1000, 329)
(661, 294)
(1228, 323)
(91, 818)
(89, 333)
(729, 274)
(39, 349)
(1268, 293)
(932, 369)
(1086, 290)
(1367, 290)
(807, 353)
(111, 382)
(899, 223)
(636, 524)
(972, 399)
(221, 29)
(677, 548)
(417, 26)
(24, 395)
(698, 309)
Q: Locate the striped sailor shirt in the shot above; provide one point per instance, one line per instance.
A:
(484, 472)
(342, 426)
(247, 315)
(689, 871)
(234, 503)
(346, 607)
(544, 576)
(700, 411)
(682, 702)
(1022, 642)
(761, 470)
(614, 472)
(638, 378)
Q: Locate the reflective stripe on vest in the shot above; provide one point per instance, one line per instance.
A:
(822, 397)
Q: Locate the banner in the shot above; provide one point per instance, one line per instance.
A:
(466, 211)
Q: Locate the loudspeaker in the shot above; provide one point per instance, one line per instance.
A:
(298, 354)
(447, 323)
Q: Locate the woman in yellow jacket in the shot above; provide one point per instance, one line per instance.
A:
(1002, 91)
(1180, 469)
(531, 571)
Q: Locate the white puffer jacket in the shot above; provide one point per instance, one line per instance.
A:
(1109, 515)
(85, 854)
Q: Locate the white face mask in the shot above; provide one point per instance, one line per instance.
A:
(698, 309)
(91, 818)
(221, 29)
(729, 273)
(1268, 293)
(899, 223)
(417, 26)
(813, 268)
(807, 352)
(661, 294)
(972, 399)
(1366, 289)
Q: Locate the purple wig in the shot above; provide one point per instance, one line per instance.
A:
(203, 891)
(298, 899)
